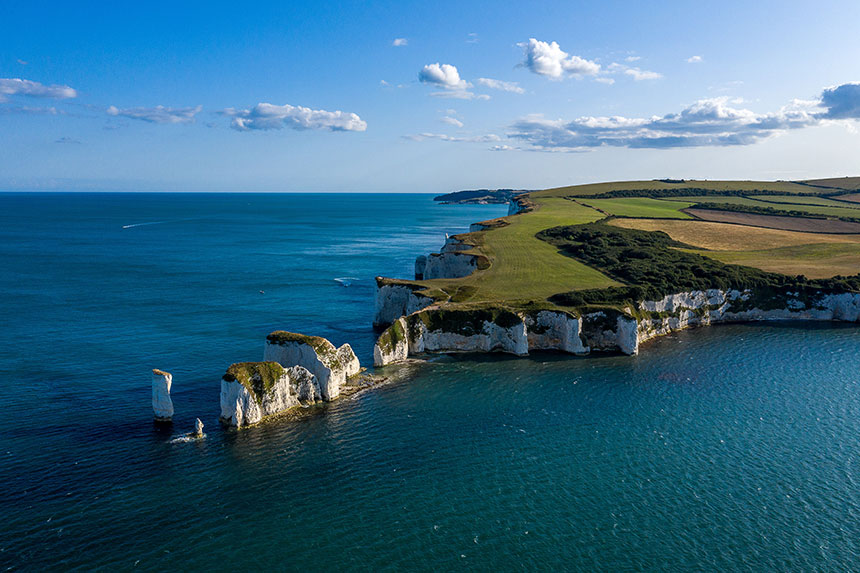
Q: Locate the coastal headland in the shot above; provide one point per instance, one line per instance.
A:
(608, 266)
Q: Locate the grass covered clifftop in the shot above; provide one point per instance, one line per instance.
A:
(257, 377)
(602, 244)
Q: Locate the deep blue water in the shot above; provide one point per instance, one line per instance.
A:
(733, 447)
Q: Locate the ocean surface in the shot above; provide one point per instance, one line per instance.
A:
(732, 447)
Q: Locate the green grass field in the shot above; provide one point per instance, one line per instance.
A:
(640, 207)
(523, 267)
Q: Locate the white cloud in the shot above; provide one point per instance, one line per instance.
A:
(17, 86)
(383, 83)
(548, 59)
(442, 75)
(605, 80)
(157, 114)
(640, 75)
(400, 42)
(632, 59)
(265, 116)
(500, 85)
(472, 38)
(708, 122)
(452, 121)
(695, 59)
(453, 138)
(842, 102)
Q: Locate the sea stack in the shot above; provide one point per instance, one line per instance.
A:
(250, 391)
(198, 429)
(331, 366)
(162, 405)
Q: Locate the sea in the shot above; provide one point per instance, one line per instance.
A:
(732, 448)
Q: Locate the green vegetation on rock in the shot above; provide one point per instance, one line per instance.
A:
(257, 377)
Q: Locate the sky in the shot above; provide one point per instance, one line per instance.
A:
(423, 96)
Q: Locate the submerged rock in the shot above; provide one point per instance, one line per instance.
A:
(162, 405)
(330, 366)
(250, 391)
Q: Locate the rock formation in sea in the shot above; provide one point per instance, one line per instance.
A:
(198, 429)
(250, 391)
(162, 405)
(330, 366)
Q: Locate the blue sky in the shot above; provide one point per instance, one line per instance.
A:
(426, 97)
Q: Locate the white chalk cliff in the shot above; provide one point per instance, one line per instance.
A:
(250, 391)
(394, 300)
(162, 405)
(330, 366)
(451, 330)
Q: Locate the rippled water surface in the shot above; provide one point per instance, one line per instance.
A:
(733, 447)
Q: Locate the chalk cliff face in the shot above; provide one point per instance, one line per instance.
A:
(162, 405)
(330, 366)
(396, 300)
(450, 265)
(392, 345)
(250, 391)
(495, 330)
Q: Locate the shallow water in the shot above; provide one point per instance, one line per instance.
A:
(732, 447)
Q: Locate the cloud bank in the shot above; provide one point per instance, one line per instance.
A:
(19, 87)
(158, 114)
(548, 59)
(264, 116)
(708, 122)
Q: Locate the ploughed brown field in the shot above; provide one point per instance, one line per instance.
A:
(776, 222)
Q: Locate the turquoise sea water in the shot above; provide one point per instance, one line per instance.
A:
(733, 447)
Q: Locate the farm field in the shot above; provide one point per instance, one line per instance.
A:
(787, 187)
(847, 211)
(805, 200)
(777, 222)
(816, 261)
(730, 237)
(640, 207)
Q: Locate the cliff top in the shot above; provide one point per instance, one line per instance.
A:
(257, 377)
(706, 234)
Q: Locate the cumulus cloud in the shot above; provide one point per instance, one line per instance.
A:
(442, 75)
(548, 59)
(500, 85)
(454, 138)
(265, 116)
(640, 75)
(19, 87)
(708, 122)
(400, 42)
(157, 114)
(452, 121)
(841, 102)
(695, 59)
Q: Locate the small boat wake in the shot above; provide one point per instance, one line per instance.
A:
(345, 281)
(143, 224)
